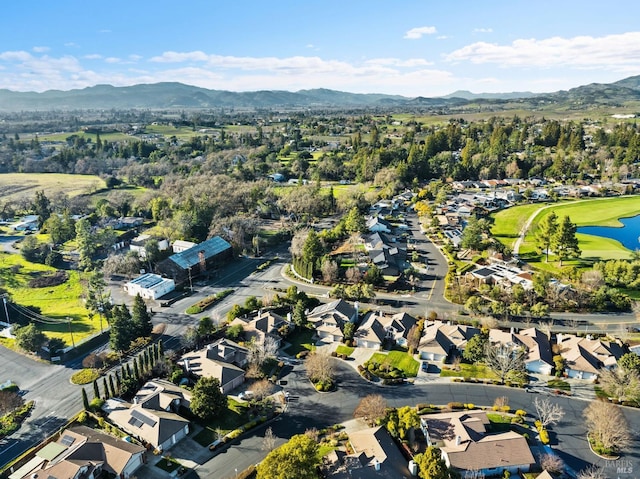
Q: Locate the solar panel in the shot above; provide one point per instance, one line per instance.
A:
(67, 440)
(135, 422)
(141, 417)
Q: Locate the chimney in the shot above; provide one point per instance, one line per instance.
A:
(413, 468)
(186, 365)
(458, 440)
(376, 464)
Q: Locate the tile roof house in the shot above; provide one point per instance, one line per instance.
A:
(84, 453)
(584, 357)
(378, 326)
(162, 429)
(222, 360)
(329, 319)
(439, 339)
(375, 456)
(263, 324)
(539, 358)
(466, 446)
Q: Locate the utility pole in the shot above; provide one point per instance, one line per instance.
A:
(4, 300)
(73, 343)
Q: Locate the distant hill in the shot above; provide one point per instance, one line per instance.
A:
(467, 95)
(178, 95)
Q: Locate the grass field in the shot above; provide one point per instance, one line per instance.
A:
(235, 416)
(398, 359)
(592, 212)
(468, 371)
(15, 185)
(62, 137)
(58, 302)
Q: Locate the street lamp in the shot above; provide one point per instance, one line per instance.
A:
(73, 343)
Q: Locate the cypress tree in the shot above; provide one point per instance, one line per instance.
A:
(106, 388)
(96, 390)
(111, 388)
(85, 400)
(118, 382)
(145, 360)
(136, 371)
(129, 373)
(160, 349)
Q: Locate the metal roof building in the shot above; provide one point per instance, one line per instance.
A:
(196, 260)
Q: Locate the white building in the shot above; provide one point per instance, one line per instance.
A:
(180, 245)
(150, 286)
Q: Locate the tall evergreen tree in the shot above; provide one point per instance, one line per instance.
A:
(547, 228)
(121, 333)
(106, 388)
(112, 389)
(41, 207)
(85, 400)
(565, 241)
(141, 318)
(96, 389)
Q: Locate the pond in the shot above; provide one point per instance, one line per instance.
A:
(628, 234)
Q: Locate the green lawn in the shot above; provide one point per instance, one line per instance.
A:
(559, 384)
(108, 136)
(346, 350)
(398, 359)
(300, 340)
(589, 212)
(235, 417)
(58, 302)
(468, 371)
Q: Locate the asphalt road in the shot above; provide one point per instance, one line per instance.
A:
(310, 409)
(56, 399)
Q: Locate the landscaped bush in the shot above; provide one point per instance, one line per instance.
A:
(455, 405)
(9, 423)
(470, 406)
(96, 404)
(544, 436)
(204, 303)
(85, 376)
(521, 413)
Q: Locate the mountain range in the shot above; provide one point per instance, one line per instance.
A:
(178, 95)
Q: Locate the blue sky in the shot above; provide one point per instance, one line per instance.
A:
(409, 47)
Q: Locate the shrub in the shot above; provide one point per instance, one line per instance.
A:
(96, 404)
(538, 424)
(50, 280)
(334, 354)
(82, 417)
(505, 408)
(85, 376)
(455, 405)
(544, 436)
(521, 413)
(470, 406)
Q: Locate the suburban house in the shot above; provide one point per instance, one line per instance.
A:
(83, 453)
(385, 253)
(439, 339)
(539, 358)
(179, 246)
(153, 418)
(150, 286)
(465, 444)
(378, 327)
(375, 456)
(329, 319)
(502, 274)
(264, 324)
(222, 360)
(196, 260)
(376, 224)
(584, 357)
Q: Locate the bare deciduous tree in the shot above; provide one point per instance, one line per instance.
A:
(548, 413)
(413, 338)
(320, 367)
(551, 463)
(329, 271)
(592, 279)
(607, 426)
(371, 408)
(500, 402)
(619, 383)
(261, 389)
(312, 433)
(269, 441)
(353, 274)
(9, 401)
(592, 472)
(501, 359)
(260, 351)
(297, 242)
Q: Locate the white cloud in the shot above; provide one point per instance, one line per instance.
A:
(41, 49)
(442, 37)
(419, 32)
(112, 60)
(93, 56)
(134, 58)
(104, 30)
(409, 63)
(482, 30)
(619, 51)
(70, 44)
(16, 56)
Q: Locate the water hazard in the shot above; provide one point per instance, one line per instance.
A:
(628, 235)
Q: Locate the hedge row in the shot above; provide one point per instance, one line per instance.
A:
(204, 303)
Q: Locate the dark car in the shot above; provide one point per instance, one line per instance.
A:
(425, 366)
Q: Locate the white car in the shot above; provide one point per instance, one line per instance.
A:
(245, 395)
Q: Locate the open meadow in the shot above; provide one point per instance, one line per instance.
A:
(17, 185)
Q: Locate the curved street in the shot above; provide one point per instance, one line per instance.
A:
(311, 409)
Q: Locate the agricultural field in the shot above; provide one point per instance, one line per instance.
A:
(16, 185)
(182, 132)
(62, 137)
